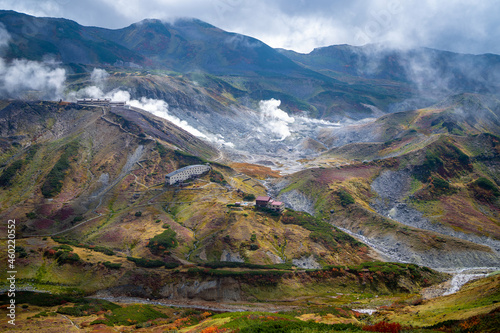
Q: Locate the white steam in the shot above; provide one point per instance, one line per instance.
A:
(99, 76)
(275, 120)
(22, 78)
(4, 36)
(157, 107)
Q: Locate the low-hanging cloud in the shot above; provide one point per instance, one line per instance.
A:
(23, 78)
(4, 36)
(304, 25)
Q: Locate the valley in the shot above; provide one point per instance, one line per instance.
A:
(392, 195)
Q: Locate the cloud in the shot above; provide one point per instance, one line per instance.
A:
(4, 36)
(304, 25)
(31, 79)
(274, 120)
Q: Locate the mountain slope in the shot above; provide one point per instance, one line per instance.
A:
(429, 71)
(336, 82)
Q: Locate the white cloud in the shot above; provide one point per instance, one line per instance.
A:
(22, 76)
(455, 25)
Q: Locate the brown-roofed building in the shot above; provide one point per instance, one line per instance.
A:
(262, 201)
(277, 206)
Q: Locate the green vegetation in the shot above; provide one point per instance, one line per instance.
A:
(111, 265)
(249, 197)
(346, 199)
(256, 278)
(30, 154)
(443, 158)
(54, 181)
(217, 177)
(21, 252)
(186, 159)
(97, 248)
(488, 185)
(78, 218)
(484, 189)
(148, 263)
(86, 307)
(142, 262)
(229, 264)
(162, 151)
(270, 322)
(441, 187)
(489, 322)
(63, 247)
(66, 257)
(31, 215)
(130, 315)
(431, 164)
(39, 299)
(138, 214)
(321, 231)
(9, 173)
(162, 242)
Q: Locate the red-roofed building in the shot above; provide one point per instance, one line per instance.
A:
(262, 201)
(277, 206)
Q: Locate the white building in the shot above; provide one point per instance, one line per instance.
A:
(182, 174)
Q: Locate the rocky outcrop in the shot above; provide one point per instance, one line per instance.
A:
(306, 262)
(297, 201)
(392, 188)
(231, 257)
(221, 289)
(421, 247)
(224, 289)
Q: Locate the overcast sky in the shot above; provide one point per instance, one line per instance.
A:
(301, 25)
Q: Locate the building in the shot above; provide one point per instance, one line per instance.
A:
(185, 173)
(99, 102)
(261, 201)
(267, 202)
(277, 206)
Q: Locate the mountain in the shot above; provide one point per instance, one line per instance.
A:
(183, 46)
(335, 82)
(437, 72)
(62, 40)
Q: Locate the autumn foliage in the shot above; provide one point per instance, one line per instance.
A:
(383, 327)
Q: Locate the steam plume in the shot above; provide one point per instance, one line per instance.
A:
(275, 120)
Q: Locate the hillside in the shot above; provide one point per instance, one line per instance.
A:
(93, 177)
(430, 172)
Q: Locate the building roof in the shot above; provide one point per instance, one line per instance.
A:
(262, 198)
(276, 203)
(173, 173)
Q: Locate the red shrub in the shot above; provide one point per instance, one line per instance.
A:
(383, 327)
